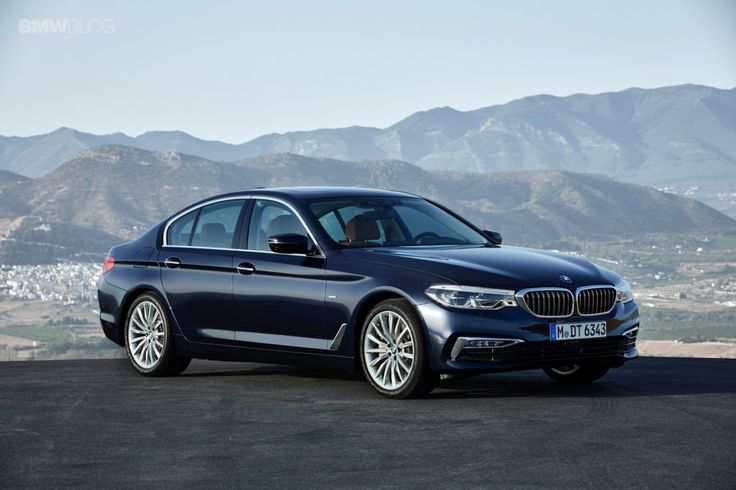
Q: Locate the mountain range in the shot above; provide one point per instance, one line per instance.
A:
(680, 138)
(107, 194)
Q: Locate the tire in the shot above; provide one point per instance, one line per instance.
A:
(576, 374)
(393, 351)
(148, 331)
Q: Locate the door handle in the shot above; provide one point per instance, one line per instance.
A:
(172, 262)
(245, 268)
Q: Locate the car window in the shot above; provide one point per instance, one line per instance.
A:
(418, 222)
(180, 231)
(271, 218)
(216, 224)
(332, 225)
(391, 222)
(349, 212)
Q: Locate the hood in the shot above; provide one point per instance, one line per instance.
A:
(503, 267)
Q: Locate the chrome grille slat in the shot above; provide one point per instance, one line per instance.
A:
(548, 302)
(562, 303)
(595, 300)
(544, 303)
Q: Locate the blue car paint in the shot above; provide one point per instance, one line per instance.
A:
(214, 309)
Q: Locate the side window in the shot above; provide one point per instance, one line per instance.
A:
(332, 226)
(180, 231)
(271, 218)
(216, 224)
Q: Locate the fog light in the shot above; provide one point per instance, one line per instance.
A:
(487, 343)
(463, 343)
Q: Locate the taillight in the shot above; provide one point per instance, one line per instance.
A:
(109, 264)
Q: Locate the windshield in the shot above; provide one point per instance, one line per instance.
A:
(391, 222)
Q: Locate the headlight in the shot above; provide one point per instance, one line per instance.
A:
(623, 292)
(471, 297)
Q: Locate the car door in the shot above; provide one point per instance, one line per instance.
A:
(278, 298)
(196, 270)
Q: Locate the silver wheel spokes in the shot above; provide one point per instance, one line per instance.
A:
(146, 334)
(388, 350)
(565, 370)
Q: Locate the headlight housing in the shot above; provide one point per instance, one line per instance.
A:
(471, 297)
(623, 291)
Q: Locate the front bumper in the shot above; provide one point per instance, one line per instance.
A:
(447, 328)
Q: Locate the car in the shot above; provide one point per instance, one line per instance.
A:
(387, 283)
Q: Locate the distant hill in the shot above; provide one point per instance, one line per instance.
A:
(35, 156)
(35, 240)
(682, 138)
(111, 193)
(122, 189)
(10, 205)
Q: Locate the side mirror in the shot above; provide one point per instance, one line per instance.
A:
(290, 243)
(493, 236)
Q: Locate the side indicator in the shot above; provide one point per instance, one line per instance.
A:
(108, 264)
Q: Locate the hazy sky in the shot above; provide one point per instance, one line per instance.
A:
(236, 70)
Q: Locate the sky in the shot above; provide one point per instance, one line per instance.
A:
(232, 71)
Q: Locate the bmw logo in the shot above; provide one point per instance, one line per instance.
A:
(565, 279)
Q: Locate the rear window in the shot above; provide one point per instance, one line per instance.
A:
(180, 231)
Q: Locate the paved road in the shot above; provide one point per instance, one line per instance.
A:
(654, 422)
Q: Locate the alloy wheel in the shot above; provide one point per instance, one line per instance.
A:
(146, 334)
(389, 350)
(565, 370)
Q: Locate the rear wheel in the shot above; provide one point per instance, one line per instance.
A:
(576, 374)
(393, 351)
(149, 342)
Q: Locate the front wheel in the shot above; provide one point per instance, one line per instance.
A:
(393, 351)
(575, 374)
(149, 342)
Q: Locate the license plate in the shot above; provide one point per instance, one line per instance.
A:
(575, 331)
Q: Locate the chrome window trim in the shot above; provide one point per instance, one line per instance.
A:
(245, 197)
(595, 286)
(194, 208)
(520, 300)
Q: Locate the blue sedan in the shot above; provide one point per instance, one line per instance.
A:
(389, 283)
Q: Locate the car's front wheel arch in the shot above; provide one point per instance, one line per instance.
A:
(361, 313)
(393, 350)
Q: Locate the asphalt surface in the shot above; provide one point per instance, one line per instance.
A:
(653, 423)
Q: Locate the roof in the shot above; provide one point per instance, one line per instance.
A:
(324, 192)
(303, 193)
(327, 192)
